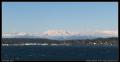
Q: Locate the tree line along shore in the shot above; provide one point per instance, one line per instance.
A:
(97, 41)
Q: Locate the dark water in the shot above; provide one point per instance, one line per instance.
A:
(59, 53)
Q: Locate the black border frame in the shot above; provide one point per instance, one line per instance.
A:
(65, 1)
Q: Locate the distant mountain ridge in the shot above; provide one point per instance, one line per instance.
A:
(54, 34)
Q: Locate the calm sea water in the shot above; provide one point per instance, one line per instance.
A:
(59, 53)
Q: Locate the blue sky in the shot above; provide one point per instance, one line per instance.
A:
(72, 16)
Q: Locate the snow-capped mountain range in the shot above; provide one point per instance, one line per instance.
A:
(58, 35)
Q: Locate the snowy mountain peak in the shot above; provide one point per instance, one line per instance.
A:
(61, 34)
(22, 33)
(56, 33)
